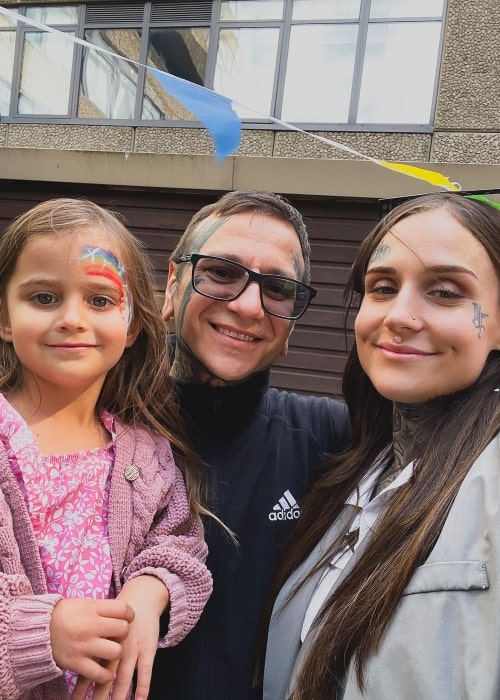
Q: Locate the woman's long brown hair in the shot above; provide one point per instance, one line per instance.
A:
(352, 622)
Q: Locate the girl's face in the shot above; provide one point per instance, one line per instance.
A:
(431, 310)
(68, 310)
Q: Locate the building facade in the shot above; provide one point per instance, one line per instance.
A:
(413, 81)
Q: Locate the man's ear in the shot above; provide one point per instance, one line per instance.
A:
(168, 305)
(284, 349)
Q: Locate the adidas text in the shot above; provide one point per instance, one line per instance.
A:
(285, 514)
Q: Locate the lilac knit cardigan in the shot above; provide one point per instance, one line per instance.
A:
(143, 515)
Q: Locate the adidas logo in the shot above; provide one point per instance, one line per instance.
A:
(286, 508)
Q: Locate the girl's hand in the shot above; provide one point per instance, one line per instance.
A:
(149, 597)
(84, 631)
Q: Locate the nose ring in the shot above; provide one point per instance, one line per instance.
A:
(413, 318)
(397, 339)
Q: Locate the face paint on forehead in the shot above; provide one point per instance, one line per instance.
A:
(99, 262)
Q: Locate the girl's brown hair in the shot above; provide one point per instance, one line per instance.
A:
(353, 620)
(138, 389)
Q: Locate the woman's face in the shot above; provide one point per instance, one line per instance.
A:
(431, 310)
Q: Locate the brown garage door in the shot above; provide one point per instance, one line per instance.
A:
(336, 226)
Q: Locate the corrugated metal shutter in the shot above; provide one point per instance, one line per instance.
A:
(318, 345)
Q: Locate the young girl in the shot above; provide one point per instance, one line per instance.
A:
(97, 534)
(391, 586)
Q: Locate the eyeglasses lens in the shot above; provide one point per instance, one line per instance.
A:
(219, 279)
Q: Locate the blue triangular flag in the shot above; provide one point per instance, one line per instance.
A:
(214, 111)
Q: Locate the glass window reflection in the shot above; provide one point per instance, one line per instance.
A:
(7, 21)
(251, 9)
(7, 46)
(45, 74)
(398, 75)
(405, 8)
(181, 52)
(108, 84)
(318, 81)
(326, 9)
(53, 15)
(246, 64)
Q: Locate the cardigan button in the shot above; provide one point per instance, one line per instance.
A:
(131, 472)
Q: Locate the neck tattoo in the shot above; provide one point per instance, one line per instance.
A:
(408, 419)
(187, 366)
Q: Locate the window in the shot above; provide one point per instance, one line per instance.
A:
(323, 64)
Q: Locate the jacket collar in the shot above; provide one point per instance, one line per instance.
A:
(221, 408)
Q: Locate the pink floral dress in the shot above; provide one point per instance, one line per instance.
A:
(67, 497)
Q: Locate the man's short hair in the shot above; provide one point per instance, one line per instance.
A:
(257, 201)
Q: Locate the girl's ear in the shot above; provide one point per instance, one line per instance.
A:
(131, 338)
(5, 329)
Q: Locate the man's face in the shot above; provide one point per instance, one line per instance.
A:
(233, 339)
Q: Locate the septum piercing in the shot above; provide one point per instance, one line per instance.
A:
(397, 338)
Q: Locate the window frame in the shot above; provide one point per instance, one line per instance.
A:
(215, 24)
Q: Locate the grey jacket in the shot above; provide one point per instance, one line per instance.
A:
(443, 642)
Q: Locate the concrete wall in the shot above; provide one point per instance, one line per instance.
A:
(466, 135)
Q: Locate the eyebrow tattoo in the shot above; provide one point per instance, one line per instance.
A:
(380, 253)
(477, 321)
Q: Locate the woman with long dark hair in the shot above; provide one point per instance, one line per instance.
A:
(390, 588)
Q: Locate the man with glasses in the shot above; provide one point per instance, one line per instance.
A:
(238, 280)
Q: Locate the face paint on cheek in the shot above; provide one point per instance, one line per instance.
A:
(103, 263)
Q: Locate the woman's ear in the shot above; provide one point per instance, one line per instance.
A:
(168, 305)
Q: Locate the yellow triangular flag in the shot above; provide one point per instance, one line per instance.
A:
(430, 176)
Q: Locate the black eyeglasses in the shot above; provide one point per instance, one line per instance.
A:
(224, 280)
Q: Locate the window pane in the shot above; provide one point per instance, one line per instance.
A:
(318, 81)
(251, 9)
(246, 62)
(53, 15)
(398, 74)
(7, 45)
(45, 74)
(7, 21)
(326, 9)
(406, 8)
(108, 84)
(181, 52)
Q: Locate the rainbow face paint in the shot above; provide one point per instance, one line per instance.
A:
(103, 263)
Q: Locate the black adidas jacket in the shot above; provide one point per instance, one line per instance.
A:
(260, 446)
